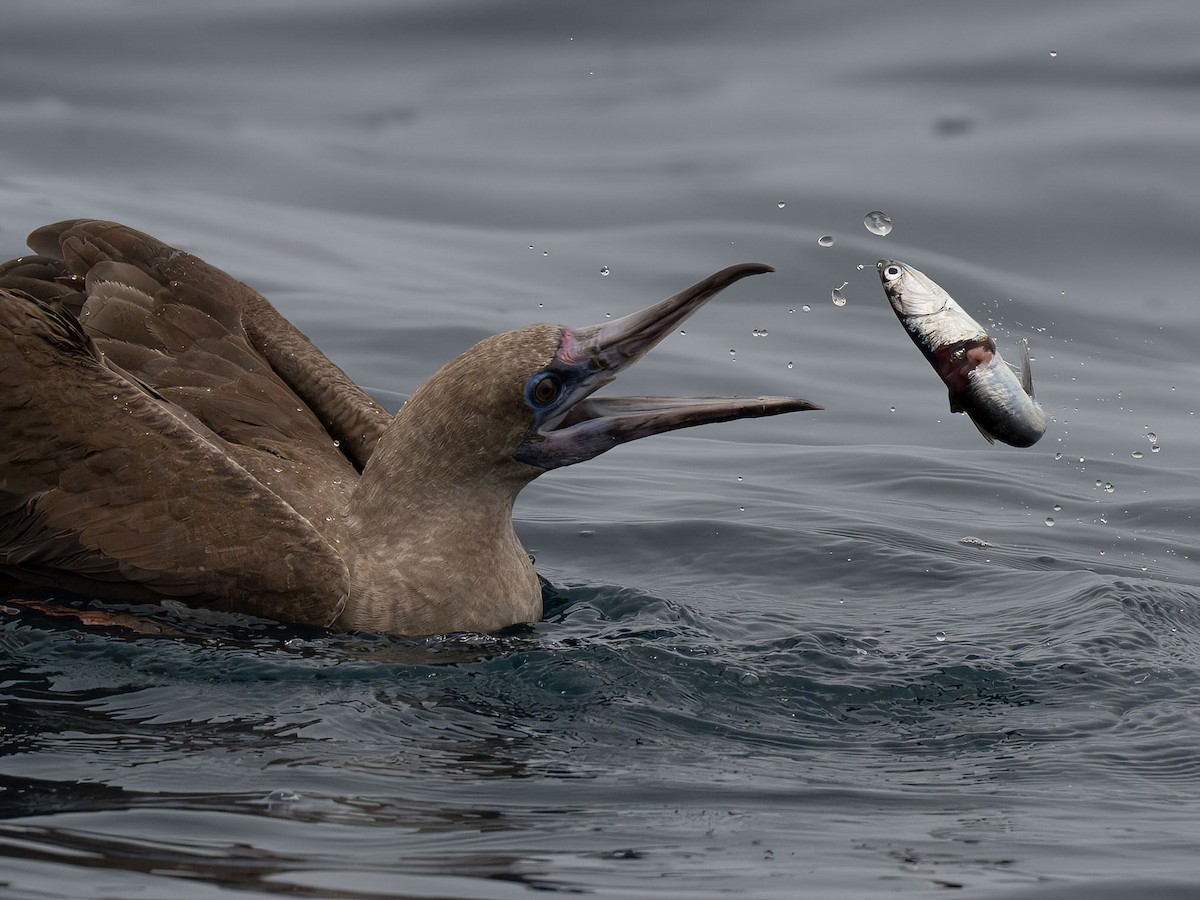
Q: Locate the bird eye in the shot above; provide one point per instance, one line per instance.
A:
(545, 389)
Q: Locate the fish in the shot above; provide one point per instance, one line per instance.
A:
(981, 384)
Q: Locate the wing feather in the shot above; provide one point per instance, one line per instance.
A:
(190, 333)
(103, 484)
(183, 286)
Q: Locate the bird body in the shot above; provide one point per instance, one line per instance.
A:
(168, 434)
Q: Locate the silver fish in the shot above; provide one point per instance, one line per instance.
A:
(981, 384)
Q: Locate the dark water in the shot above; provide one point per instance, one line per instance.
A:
(770, 666)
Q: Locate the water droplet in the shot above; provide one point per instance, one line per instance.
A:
(825, 240)
(283, 797)
(531, 246)
(838, 299)
(604, 270)
(806, 308)
(877, 222)
(791, 364)
(940, 636)
(861, 267)
(1054, 54)
(892, 408)
(545, 253)
(748, 679)
(974, 541)
(739, 478)
(1152, 437)
(541, 306)
(1154, 448)
(608, 315)
(681, 331)
(1057, 508)
(1098, 482)
(1050, 521)
(733, 354)
(1137, 454)
(1058, 455)
(781, 204)
(792, 310)
(337, 443)
(759, 332)
(329, 518)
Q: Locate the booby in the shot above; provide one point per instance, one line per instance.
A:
(168, 434)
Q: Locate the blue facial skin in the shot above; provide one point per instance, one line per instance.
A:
(541, 390)
(552, 394)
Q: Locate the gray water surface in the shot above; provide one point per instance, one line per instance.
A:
(770, 666)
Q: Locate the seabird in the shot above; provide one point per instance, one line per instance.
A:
(168, 434)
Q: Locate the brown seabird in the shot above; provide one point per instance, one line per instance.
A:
(168, 434)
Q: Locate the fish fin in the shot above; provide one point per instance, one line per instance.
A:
(986, 434)
(1026, 370)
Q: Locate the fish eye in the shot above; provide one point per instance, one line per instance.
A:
(544, 389)
(892, 272)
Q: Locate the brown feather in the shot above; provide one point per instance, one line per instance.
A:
(139, 498)
(347, 413)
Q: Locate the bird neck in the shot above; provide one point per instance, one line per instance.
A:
(432, 544)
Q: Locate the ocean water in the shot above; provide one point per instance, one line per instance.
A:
(837, 654)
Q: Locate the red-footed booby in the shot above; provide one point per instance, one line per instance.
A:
(168, 434)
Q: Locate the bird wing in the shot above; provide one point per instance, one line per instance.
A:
(195, 336)
(191, 331)
(106, 486)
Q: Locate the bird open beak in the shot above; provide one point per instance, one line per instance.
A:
(578, 427)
